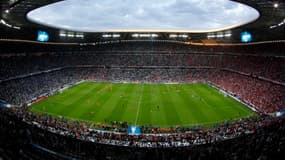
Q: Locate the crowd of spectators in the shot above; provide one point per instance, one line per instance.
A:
(178, 137)
(263, 95)
(145, 54)
(257, 80)
(23, 90)
(257, 138)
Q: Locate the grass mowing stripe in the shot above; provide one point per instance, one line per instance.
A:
(230, 105)
(55, 103)
(73, 92)
(99, 103)
(118, 112)
(147, 103)
(194, 107)
(109, 107)
(79, 107)
(130, 107)
(168, 106)
(139, 104)
(90, 105)
(200, 107)
(176, 104)
(159, 117)
(183, 104)
(210, 99)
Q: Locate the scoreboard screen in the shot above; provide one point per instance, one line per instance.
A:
(42, 36)
(245, 37)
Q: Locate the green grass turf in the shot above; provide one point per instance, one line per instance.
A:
(161, 105)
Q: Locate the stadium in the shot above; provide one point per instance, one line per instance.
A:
(142, 80)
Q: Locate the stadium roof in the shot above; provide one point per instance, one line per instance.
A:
(14, 24)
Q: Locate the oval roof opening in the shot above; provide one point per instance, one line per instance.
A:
(194, 16)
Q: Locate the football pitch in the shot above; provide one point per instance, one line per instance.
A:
(163, 105)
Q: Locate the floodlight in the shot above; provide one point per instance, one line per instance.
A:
(276, 5)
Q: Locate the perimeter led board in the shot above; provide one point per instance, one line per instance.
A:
(134, 130)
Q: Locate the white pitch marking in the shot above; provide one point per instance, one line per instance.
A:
(139, 105)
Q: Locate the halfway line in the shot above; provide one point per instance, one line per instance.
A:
(139, 105)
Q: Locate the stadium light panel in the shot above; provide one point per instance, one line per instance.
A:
(106, 36)
(15, 27)
(111, 35)
(228, 35)
(146, 35)
(79, 36)
(276, 5)
(116, 35)
(220, 35)
(178, 36)
(62, 35)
